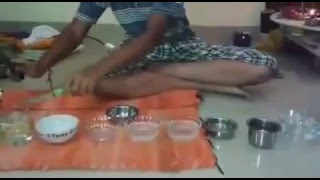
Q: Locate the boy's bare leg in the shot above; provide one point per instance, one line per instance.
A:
(227, 73)
(145, 83)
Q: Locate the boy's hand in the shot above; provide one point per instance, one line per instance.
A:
(30, 70)
(83, 83)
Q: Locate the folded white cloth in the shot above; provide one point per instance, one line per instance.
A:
(40, 32)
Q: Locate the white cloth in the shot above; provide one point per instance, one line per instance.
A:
(40, 32)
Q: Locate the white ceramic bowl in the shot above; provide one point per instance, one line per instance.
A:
(57, 128)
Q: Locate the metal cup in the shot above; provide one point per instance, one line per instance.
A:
(263, 133)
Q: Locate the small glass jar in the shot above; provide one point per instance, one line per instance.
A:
(18, 129)
(296, 127)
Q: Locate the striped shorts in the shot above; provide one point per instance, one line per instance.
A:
(195, 50)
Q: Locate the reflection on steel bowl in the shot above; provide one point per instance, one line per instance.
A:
(122, 114)
(220, 127)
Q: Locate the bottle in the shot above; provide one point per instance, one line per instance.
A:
(242, 39)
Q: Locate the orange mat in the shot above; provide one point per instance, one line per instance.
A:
(13, 99)
(81, 153)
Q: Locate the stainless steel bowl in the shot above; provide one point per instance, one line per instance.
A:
(220, 127)
(312, 21)
(263, 132)
(122, 114)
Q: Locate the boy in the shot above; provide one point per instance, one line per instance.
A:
(157, 32)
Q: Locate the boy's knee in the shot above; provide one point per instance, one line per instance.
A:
(262, 74)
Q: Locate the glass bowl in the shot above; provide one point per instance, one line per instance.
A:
(143, 129)
(101, 130)
(184, 130)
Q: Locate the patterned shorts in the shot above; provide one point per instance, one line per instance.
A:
(196, 50)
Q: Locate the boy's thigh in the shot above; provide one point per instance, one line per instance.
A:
(196, 50)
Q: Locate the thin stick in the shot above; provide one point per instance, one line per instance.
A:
(50, 83)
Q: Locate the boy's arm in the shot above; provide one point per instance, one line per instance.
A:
(70, 38)
(66, 42)
(139, 47)
(135, 49)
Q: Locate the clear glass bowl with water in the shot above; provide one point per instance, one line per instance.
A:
(143, 129)
(100, 129)
(184, 130)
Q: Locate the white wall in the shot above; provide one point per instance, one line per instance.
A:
(199, 13)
